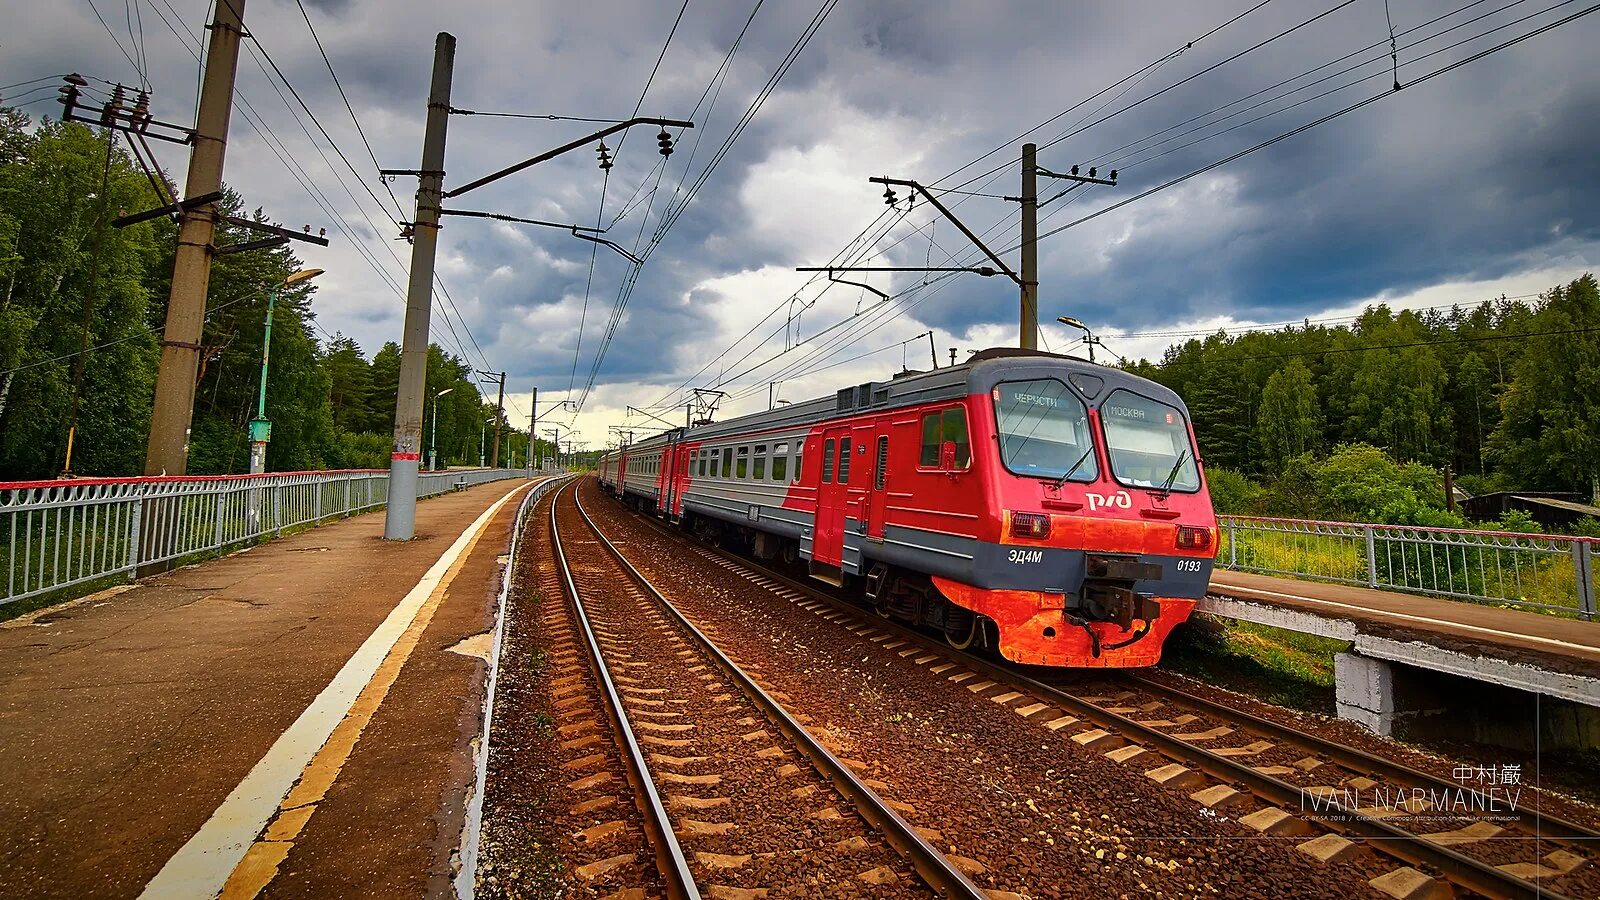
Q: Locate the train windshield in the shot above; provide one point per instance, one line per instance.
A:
(1044, 431)
(1149, 443)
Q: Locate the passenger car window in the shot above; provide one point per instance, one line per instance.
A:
(758, 463)
(727, 462)
(955, 429)
(741, 466)
(827, 461)
(882, 468)
(780, 462)
(929, 456)
(938, 427)
(844, 461)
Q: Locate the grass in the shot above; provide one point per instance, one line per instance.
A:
(1511, 578)
(1282, 667)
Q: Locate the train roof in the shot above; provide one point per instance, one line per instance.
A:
(979, 374)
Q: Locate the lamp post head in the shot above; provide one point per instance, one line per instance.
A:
(1068, 320)
(443, 392)
(302, 275)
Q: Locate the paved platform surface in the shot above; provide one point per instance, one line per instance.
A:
(126, 721)
(1517, 636)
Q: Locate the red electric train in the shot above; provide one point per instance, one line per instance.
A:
(1052, 509)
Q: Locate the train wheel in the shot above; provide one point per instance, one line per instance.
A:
(961, 626)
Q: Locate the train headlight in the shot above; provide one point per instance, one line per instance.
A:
(1193, 538)
(1030, 525)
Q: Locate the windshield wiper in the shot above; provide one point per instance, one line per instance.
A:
(1166, 486)
(1063, 479)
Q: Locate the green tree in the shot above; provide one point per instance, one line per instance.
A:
(59, 258)
(1289, 422)
(1473, 393)
(1549, 431)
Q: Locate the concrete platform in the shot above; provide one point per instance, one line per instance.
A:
(1405, 650)
(152, 734)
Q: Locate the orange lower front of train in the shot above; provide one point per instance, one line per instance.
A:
(1033, 628)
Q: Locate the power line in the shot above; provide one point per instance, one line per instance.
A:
(342, 96)
(1121, 87)
(1337, 89)
(50, 78)
(605, 183)
(140, 332)
(256, 46)
(449, 300)
(1146, 68)
(1175, 85)
(275, 144)
(1102, 157)
(1309, 125)
(115, 40)
(672, 212)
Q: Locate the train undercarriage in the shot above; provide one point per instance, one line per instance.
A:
(1110, 625)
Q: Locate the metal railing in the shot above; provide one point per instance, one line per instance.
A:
(70, 537)
(1553, 573)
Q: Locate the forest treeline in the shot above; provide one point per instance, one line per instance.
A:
(69, 281)
(1360, 420)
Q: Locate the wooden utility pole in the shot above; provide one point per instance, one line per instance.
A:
(400, 518)
(168, 450)
(1029, 332)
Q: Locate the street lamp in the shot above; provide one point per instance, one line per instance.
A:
(433, 436)
(260, 427)
(483, 431)
(1088, 336)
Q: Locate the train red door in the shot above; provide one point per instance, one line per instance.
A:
(680, 480)
(879, 490)
(664, 480)
(827, 542)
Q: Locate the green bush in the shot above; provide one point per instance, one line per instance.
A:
(1232, 493)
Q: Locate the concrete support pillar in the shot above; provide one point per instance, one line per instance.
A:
(1364, 691)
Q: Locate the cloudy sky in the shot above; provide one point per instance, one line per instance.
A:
(1473, 184)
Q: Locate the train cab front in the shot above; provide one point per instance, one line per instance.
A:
(1105, 535)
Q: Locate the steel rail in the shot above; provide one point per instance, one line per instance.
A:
(1407, 846)
(670, 860)
(936, 870)
(1358, 760)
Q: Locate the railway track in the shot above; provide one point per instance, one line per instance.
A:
(734, 795)
(1279, 781)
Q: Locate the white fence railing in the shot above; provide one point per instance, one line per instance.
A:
(1540, 571)
(77, 534)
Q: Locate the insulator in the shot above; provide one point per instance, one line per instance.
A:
(665, 141)
(1091, 171)
(1074, 169)
(113, 107)
(77, 80)
(888, 196)
(1113, 174)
